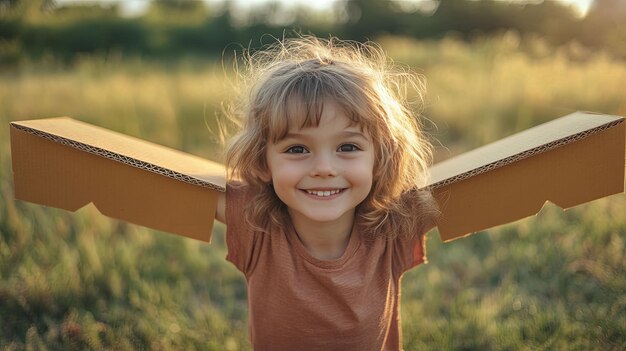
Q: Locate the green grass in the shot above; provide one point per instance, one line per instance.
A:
(75, 281)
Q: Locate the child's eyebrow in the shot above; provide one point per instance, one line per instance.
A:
(354, 134)
(343, 134)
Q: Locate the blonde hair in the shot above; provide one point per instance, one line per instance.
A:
(286, 85)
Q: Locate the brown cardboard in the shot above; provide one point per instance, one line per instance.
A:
(568, 161)
(68, 164)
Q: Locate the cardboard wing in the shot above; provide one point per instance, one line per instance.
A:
(68, 164)
(64, 163)
(568, 161)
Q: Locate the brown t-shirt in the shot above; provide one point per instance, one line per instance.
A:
(299, 302)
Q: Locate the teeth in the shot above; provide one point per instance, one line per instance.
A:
(323, 192)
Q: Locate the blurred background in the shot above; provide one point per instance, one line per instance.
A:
(161, 70)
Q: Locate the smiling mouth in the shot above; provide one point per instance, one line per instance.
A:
(324, 193)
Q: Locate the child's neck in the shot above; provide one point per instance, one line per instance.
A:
(324, 240)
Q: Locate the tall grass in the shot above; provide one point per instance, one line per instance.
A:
(74, 281)
(480, 91)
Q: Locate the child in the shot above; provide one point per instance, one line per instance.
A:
(322, 206)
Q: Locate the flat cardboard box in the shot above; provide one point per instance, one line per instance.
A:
(68, 164)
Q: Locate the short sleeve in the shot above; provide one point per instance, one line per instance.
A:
(240, 239)
(408, 252)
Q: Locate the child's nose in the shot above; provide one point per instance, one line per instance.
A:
(324, 166)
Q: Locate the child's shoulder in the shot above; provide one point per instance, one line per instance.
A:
(418, 197)
(235, 195)
(241, 193)
(423, 207)
(238, 188)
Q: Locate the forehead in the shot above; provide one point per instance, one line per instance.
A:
(298, 115)
(330, 115)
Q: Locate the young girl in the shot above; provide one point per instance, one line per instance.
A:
(323, 206)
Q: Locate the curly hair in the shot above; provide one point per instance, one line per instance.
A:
(285, 86)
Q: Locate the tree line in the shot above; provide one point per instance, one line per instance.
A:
(170, 28)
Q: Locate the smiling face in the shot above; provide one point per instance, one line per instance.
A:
(322, 173)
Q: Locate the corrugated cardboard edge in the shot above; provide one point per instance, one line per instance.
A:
(526, 154)
(474, 201)
(133, 162)
(59, 172)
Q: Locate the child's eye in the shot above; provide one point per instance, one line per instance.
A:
(348, 148)
(296, 149)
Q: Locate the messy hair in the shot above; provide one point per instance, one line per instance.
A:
(286, 85)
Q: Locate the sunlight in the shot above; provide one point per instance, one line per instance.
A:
(137, 7)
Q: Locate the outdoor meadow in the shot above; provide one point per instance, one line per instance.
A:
(81, 281)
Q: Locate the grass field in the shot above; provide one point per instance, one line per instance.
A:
(76, 281)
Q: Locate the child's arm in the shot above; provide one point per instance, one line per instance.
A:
(220, 214)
